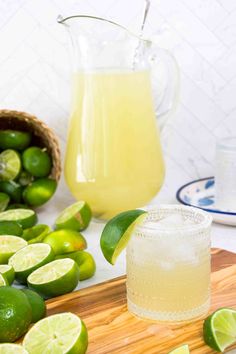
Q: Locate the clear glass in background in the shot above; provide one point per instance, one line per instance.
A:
(121, 82)
(168, 265)
(225, 174)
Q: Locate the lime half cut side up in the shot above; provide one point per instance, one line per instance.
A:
(55, 278)
(9, 245)
(117, 232)
(219, 329)
(30, 258)
(76, 217)
(10, 165)
(184, 349)
(24, 217)
(60, 333)
(8, 272)
(10, 348)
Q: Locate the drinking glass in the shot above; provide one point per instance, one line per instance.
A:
(168, 264)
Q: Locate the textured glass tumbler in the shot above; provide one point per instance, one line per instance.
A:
(168, 265)
(225, 174)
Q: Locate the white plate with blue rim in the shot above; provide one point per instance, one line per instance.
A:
(201, 194)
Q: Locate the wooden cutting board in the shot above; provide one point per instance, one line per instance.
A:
(112, 329)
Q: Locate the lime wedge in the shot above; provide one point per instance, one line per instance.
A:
(55, 278)
(10, 245)
(30, 258)
(24, 217)
(76, 217)
(4, 201)
(8, 348)
(184, 349)
(10, 165)
(3, 280)
(10, 228)
(8, 272)
(61, 333)
(117, 232)
(219, 329)
(36, 233)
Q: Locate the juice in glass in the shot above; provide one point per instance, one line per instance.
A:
(114, 158)
(168, 265)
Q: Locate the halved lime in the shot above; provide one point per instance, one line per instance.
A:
(61, 333)
(10, 228)
(85, 261)
(3, 280)
(36, 233)
(37, 304)
(14, 139)
(8, 272)
(55, 278)
(65, 241)
(13, 189)
(30, 258)
(24, 217)
(8, 348)
(219, 329)
(184, 349)
(4, 201)
(39, 192)
(37, 161)
(76, 217)
(10, 165)
(10, 245)
(117, 232)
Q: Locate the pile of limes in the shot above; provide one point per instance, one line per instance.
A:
(24, 171)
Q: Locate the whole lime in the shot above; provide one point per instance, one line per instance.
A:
(39, 192)
(37, 304)
(14, 139)
(15, 314)
(37, 161)
(13, 189)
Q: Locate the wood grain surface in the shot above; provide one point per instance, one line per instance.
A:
(113, 330)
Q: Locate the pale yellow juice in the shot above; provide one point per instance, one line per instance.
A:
(113, 158)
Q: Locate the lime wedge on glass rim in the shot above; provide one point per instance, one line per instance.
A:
(55, 278)
(10, 348)
(117, 232)
(10, 165)
(219, 329)
(9, 245)
(60, 333)
(24, 217)
(30, 258)
(8, 272)
(75, 217)
(184, 349)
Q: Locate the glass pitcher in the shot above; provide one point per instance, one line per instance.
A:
(121, 82)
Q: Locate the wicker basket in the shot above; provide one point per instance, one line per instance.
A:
(42, 135)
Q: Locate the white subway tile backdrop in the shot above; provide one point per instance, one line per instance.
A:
(34, 69)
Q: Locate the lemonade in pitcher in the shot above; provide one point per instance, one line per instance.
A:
(115, 162)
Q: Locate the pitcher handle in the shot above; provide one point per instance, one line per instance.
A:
(166, 101)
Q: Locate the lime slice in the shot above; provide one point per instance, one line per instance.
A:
(61, 333)
(117, 232)
(10, 165)
(10, 228)
(8, 348)
(8, 272)
(4, 201)
(184, 349)
(37, 304)
(3, 280)
(36, 233)
(55, 278)
(24, 217)
(10, 245)
(76, 217)
(14, 139)
(219, 329)
(30, 258)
